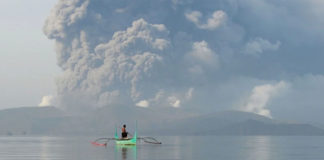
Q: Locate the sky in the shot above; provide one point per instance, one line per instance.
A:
(27, 58)
(259, 56)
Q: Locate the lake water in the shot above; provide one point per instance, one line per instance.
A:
(173, 148)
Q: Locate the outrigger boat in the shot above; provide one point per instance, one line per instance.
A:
(125, 141)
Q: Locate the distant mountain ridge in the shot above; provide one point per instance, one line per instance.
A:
(28, 120)
(237, 123)
(52, 121)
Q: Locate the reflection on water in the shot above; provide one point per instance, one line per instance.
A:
(260, 147)
(125, 152)
(176, 151)
(29, 148)
(44, 148)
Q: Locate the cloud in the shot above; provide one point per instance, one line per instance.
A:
(260, 97)
(120, 10)
(143, 103)
(176, 2)
(189, 93)
(65, 14)
(174, 101)
(179, 99)
(46, 101)
(201, 56)
(170, 98)
(202, 53)
(259, 45)
(215, 21)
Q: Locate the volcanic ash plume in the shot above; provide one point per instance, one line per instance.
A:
(149, 53)
(115, 71)
(260, 97)
(46, 101)
(115, 53)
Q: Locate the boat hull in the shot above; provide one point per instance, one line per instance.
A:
(131, 141)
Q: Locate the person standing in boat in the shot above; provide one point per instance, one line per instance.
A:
(124, 133)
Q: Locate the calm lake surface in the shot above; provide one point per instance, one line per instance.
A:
(173, 148)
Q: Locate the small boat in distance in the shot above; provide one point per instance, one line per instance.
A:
(125, 141)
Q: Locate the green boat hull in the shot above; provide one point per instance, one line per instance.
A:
(131, 141)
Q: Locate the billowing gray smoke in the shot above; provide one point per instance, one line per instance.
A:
(122, 53)
(172, 53)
